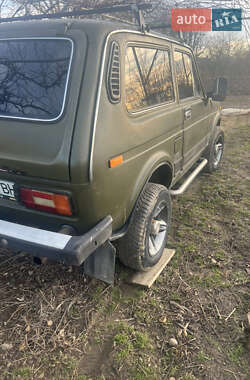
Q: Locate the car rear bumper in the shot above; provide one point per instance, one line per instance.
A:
(72, 250)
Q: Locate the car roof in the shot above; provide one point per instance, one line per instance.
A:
(58, 23)
(102, 27)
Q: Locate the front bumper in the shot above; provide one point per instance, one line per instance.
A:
(72, 250)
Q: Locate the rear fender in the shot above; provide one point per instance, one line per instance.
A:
(157, 161)
(150, 166)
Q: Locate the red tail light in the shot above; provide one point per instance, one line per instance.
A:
(43, 201)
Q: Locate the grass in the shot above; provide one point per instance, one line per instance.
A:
(236, 353)
(124, 345)
(142, 341)
(143, 374)
(128, 340)
(188, 377)
(214, 279)
(101, 332)
(201, 357)
(22, 373)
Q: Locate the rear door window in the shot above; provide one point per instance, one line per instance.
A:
(148, 78)
(33, 77)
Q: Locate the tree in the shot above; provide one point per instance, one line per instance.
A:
(227, 56)
(159, 17)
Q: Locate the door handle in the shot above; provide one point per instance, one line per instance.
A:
(188, 113)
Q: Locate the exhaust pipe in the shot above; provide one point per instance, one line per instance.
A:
(39, 260)
(66, 230)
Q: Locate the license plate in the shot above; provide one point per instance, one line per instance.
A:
(7, 190)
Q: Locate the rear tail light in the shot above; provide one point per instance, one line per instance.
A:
(44, 201)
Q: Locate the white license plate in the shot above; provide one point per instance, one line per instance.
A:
(7, 190)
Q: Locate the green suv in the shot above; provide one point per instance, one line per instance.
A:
(99, 123)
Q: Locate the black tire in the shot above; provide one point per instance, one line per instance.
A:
(141, 247)
(215, 152)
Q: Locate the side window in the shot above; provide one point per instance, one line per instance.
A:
(148, 78)
(183, 68)
(187, 76)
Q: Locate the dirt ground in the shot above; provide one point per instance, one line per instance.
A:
(55, 323)
(241, 101)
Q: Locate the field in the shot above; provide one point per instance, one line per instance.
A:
(55, 323)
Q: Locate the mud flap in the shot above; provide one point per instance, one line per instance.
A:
(101, 263)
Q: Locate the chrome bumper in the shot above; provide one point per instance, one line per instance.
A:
(72, 250)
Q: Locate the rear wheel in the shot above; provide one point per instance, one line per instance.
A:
(215, 152)
(143, 245)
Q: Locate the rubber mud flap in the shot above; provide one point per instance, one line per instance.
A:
(101, 263)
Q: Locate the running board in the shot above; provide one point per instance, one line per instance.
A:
(190, 178)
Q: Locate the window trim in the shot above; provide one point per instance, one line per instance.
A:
(156, 47)
(66, 84)
(198, 76)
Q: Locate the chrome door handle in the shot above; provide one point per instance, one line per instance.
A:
(188, 114)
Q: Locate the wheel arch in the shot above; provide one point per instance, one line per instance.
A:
(216, 123)
(154, 168)
(159, 169)
(163, 175)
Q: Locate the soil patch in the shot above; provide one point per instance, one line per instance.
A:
(57, 324)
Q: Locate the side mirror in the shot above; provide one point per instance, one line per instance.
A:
(219, 89)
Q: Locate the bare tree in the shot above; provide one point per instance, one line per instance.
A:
(27, 7)
(159, 17)
(226, 56)
(3, 7)
(222, 55)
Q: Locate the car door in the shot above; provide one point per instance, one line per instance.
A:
(194, 107)
(151, 101)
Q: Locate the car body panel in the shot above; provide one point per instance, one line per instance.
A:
(72, 154)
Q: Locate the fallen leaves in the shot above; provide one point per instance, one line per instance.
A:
(163, 319)
(22, 346)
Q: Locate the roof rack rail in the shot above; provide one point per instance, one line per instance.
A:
(134, 8)
(162, 25)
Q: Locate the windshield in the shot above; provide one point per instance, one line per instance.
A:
(33, 77)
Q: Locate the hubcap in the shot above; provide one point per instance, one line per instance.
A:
(158, 230)
(218, 149)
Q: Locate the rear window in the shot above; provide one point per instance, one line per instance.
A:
(33, 77)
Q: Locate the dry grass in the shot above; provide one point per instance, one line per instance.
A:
(60, 325)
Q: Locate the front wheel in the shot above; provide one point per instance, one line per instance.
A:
(215, 152)
(143, 245)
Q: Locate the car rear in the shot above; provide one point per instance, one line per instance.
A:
(42, 69)
(41, 72)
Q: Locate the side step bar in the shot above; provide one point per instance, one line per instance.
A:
(190, 178)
